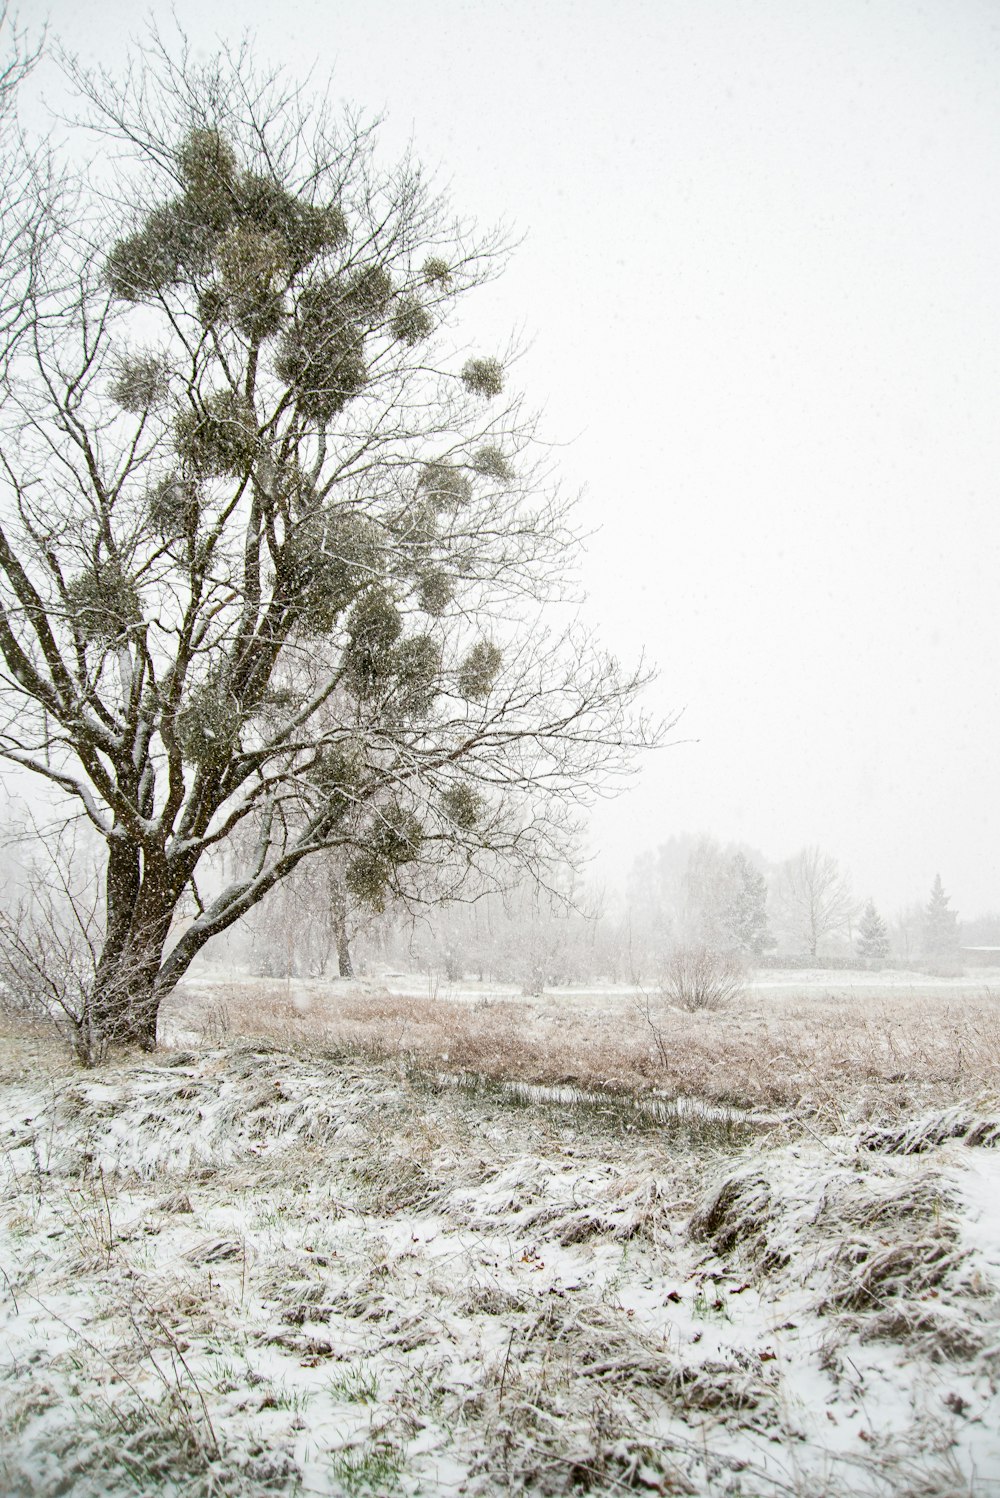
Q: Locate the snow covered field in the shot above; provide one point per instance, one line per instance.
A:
(344, 1255)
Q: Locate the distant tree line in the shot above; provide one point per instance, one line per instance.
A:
(691, 894)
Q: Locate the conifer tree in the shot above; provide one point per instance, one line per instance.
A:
(873, 935)
(940, 927)
(747, 915)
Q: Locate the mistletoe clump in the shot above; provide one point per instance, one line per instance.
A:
(434, 590)
(326, 562)
(208, 727)
(411, 320)
(479, 670)
(219, 439)
(491, 462)
(174, 507)
(172, 247)
(211, 304)
(338, 774)
(305, 230)
(141, 384)
(437, 272)
(321, 357)
(369, 292)
(483, 377)
(396, 838)
(444, 486)
(208, 169)
(103, 603)
(177, 239)
(254, 272)
(417, 668)
(373, 629)
(398, 835)
(379, 660)
(463, 806)
(367, 879)
(248, 227)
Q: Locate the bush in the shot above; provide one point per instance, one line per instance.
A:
(700, 978)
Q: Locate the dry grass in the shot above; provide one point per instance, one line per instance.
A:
(834, 1059)
(279, 1274)
(31, 1047)
(252, 1269)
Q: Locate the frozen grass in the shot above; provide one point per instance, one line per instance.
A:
(828, 1054)
(243, 1271)
(432, 1246)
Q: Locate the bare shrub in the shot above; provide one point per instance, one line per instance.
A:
(50, 959)
(701, 978)
(47, 951)
(51, 935)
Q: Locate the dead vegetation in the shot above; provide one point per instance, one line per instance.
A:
(699, 978)
(881, 1247)
(836, 1059)
(917, 1136)
(31, 1047)
(737, 1215)
(237, 1262)
(254, 1268)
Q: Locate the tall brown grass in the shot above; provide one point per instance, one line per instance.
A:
(838, 1058)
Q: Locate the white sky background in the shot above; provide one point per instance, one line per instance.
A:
(760, 288)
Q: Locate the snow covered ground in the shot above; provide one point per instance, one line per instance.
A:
(805, 982)
(249, 1268)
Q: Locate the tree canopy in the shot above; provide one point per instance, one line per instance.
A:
(280, 572)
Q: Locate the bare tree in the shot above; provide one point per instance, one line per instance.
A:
(695, 892)
(537, 935)
(707, 892)
(814, 897)
(677, 896)
(50, 932)
(907, 933)
(29, 196)
(307, 924)
(279, 572)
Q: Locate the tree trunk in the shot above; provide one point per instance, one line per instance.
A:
(124, 1001)
(123, 1006)
(338, 906)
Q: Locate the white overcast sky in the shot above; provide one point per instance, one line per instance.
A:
(760, 285)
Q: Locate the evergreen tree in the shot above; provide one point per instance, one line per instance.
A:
(873, 935)
(746, 918)
(940, 927)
